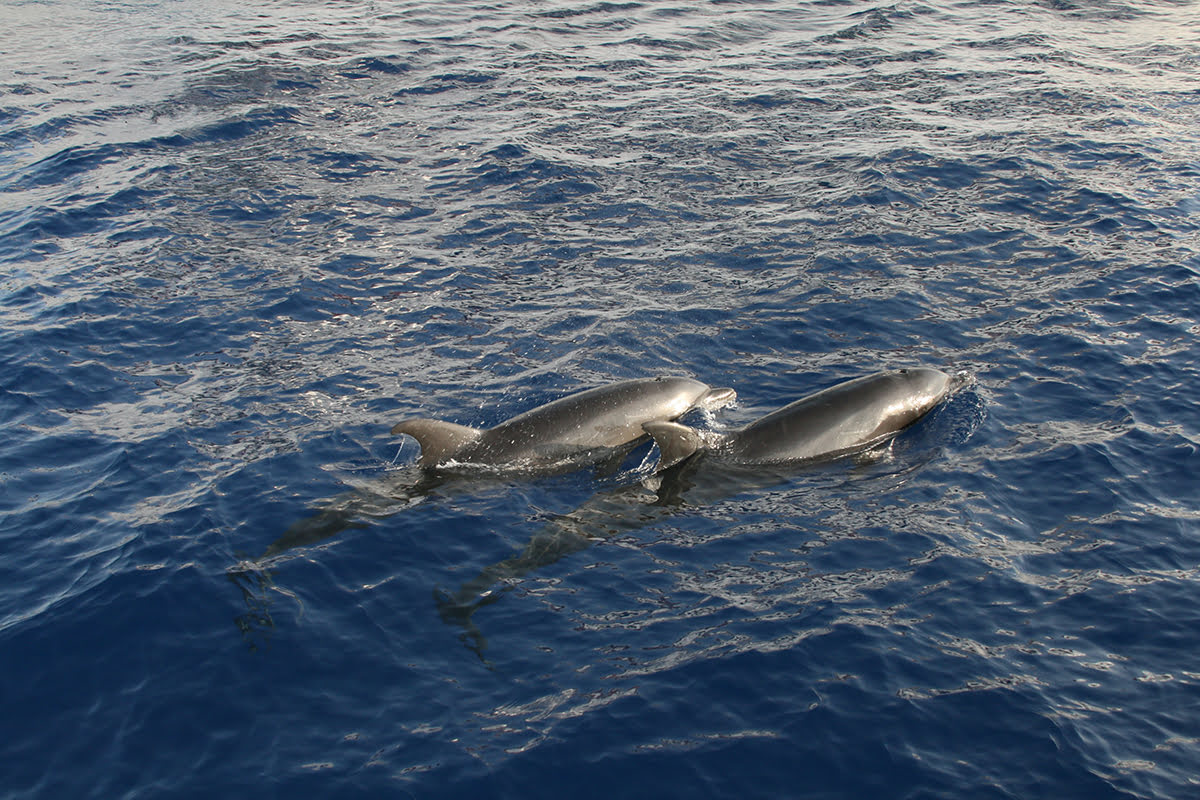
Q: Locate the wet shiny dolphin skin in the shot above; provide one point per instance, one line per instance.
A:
(588, 422)
(850, 416)
(587, 428)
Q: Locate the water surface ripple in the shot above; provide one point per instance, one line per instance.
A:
(240, 240)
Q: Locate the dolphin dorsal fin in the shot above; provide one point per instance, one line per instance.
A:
(439, 440)
(675, 442)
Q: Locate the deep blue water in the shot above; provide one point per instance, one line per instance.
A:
(240, 240)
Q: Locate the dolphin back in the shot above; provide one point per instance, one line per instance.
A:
(586, 425)
(594, 420)
(849, 416)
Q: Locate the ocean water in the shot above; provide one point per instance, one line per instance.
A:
(238, 241)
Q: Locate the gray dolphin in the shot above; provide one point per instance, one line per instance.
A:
(582, 429)
(851, 416)
(587, 425)
(588, 428)
(845, 418)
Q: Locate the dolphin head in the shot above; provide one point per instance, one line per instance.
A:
(714, 399)
(922, 388)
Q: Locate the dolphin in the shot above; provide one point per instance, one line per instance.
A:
(851, 416)
(586, 426)
(584, 429)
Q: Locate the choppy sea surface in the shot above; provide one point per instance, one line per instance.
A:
(239, 240)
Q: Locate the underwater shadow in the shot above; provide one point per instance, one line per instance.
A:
(361, 507)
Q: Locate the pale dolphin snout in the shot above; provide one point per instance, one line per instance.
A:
(717, 398)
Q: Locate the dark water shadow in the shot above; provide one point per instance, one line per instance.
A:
(352, 510)
(361, 507)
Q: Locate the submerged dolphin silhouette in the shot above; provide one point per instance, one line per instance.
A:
(585, 425)
(853, 415)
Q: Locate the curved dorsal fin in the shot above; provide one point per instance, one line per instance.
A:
(675, 442)
(439, 440)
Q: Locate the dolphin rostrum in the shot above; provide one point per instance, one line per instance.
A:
(587, 425)
(845, 418)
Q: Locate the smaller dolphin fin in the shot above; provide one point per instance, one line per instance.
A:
(439, 440)
(675, 442)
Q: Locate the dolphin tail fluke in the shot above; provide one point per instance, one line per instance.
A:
(439, 440)
(675, 442)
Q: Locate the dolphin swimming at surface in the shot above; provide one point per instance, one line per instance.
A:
(583, 429)
(848, 417)
(588, 425)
